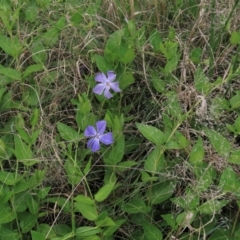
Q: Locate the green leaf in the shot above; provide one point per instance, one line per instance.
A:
(102, 64)
(28, 222)
(158, 83)
(155, 40)
(229, 181)
(151, 232)
(3, 152)
(32, 204)
(219, 143)
(74, 173)
(45, 229)
(76, 18)
(88, 167)
(171, 64)
(106, 222)
(85, 119)
(34, 136)
(135, 206)
(31, 96)
(62, 202)
(88, 212)
(50, 37)
(31, 11)
(212, 206)
(146, 177)
(126, 165)
(87, 231)
(2, 91)
(186, 218)
(155, 161)
(151, 133)
(19, 202)
(235, 38)
(68, 133)
(35, 117)
(10, 73)
(195, 55)
(62, 231)
(126, 54)
(36, 179)
(197, 153)
(37, 236)
(20, 186)
(8, 178)
(201, 81)
(23, 152)
(170, 50)
(174, 108)
(32, 69)
(222, 234)
(237, 125)
(6, 233)
(181, 140)
(104, 192)
(6, 213)
(61, 23)
(110, 230)
(112, 46)
(188, 202)
(43, 192)
(12, 46)
(205, 174)
(39, 54)
(234, 157)
(230, 128)
(235, 101)
(126, 80)
(131, 27)
(171, 34)
(160, 192)
(23, 135)
(117, 152)
(170, 220)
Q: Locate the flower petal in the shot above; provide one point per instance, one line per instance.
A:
(101, 77)
(90, 131)
(99, 88)
(106, 138)
(93, 144)
(107, 94)
(101, 126)
(115, 87)
(111, 76)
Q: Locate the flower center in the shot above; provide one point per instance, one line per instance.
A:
(97, 136)
(108, 84)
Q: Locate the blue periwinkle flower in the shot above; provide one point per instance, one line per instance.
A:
(97, 135)
(106, 83)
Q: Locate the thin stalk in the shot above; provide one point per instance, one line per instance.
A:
(235, 222)
(131, 2)
(212, 37)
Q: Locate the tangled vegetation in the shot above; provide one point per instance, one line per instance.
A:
(120, 119)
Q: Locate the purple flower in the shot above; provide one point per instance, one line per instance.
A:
(98, 136)
(106, 83)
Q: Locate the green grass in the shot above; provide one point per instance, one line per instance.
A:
(172, 171)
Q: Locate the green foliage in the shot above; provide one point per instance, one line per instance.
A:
(68, 133)
(172, 169)
(12, 46)
(220, 144)
(151, 133)
(152, 232)
(235, 38)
